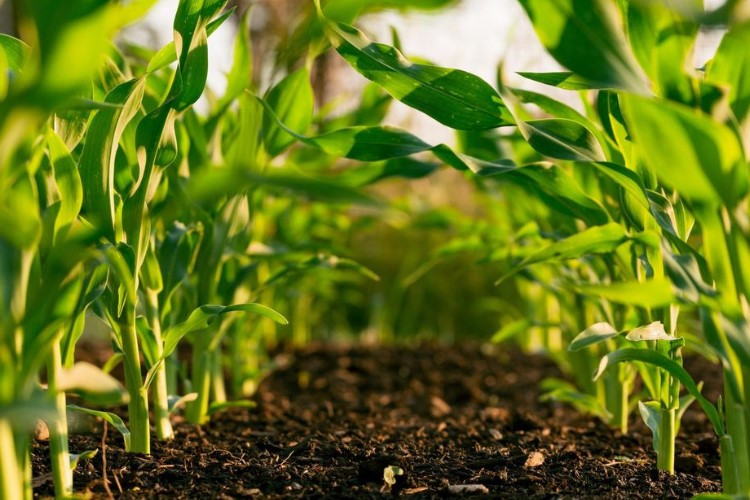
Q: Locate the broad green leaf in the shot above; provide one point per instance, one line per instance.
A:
(699, 157)
(241, 73)
(191, 43)
(563, 79)
(585, 36)
(68, 183)
(674, 369)
(453, 97)
(598, 332)
(628, 180)
(652, 415)
(370, 143)
(167, 54)
(729, 67)
(562, 139)
(649, 293)
(97, 163)
(214, 184)
(92, 384)
(292, 102)
(21, 232)
(551, 106)
(662, 41)
(176, 256)
(151, 276)
(110, 418)
(396, 167)
(597, 239)
(16, 51)
(374, 143)
(203, 316)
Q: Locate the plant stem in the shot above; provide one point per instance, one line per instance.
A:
(735, 414)
(729, 480)
(665, 451)
(218, 389)
(164, 430)
(11, 477)
(201, 377)
(140, 434)
(58, 429)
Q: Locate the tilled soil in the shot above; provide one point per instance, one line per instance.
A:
(330, 419)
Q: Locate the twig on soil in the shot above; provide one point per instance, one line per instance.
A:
(104, 463)
(287, 458)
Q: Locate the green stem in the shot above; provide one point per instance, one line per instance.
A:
(665, 450)
(11, 475)
(197, 411)
(58, 429)
(140, 434)
(164, 430)
(623, 407)
(729, 478)
(735, 415)
(218, 389)
(23, 459)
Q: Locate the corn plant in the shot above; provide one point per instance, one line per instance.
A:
(618, 53)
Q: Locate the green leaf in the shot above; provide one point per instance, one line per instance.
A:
(565, 392)
(21, 232)
(562, 139)
(292, 102)
(191, 42)
(370, 143)
(674, 369)
(75, 458)
(699, 157)
(586, 37)
(241, 74)
(649, 293)
(97, 163)
(92, 384)
(729, 67)
(453, 97)
(596, 333)
(214, 184)
(16, 51)
(205, 315)
(652, 415)
(597, 239)
(167, 54)
(68, 183)
(24, 415)
(110, 418)
(628, 180)
(201, 318)
(562, 79)
(662, 41)
(177, 402)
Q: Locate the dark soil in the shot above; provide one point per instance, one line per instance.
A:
(330, 419)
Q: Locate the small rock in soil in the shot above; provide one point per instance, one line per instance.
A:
(439, 408)
(458, 489)
(535, 459)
